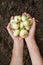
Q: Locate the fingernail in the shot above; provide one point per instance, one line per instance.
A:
(12, 17)
(33, 18)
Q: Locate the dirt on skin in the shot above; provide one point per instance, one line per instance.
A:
(17, 7)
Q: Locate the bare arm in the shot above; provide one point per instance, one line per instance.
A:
(32, 46)
(34, 52)
(17, 52)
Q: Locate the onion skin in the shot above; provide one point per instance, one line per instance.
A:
(16, 32)
(23, 33)
(15, 26)
(21, 25)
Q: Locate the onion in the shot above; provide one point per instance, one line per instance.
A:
(24, 17)
(23, 33)
(17, 19)
(16, 32)
(25, 23)
(27, 28)
(15, 26)
(21, 25)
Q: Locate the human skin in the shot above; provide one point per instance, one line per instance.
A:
(32, 46)
(17, 52)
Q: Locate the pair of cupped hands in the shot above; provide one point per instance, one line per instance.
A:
(31, 35)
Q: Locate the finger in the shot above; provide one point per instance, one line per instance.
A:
(26, 14)
(8, 28)
(33, 28)
(34, 24)
(12, 17)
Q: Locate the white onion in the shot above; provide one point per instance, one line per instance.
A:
(16, 32)
(27, 28)
(23, 33)
(15, 26)
(17, 19)
(24, 18)
(30, 21)
(25, 23)
(12, 21)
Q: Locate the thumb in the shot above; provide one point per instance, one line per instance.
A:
(34, 25)
(33, 28)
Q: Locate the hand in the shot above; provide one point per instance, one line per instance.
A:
(32, 30)
(32, 45)
(17, 52)
(15, 39)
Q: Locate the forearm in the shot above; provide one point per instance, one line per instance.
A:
(17, 54)
(34, 52)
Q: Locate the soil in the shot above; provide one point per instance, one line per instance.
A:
(17, 7)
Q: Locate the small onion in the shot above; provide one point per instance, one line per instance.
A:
(23, 33)
(24, 18)
(16, 32)
(12, 21)
(15, 26)
(17, 19)
(27, 28)
(25, 23)
(30, 21)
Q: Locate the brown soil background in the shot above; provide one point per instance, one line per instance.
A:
(16, 7)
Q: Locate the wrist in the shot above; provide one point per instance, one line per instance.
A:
(18, 41)
(30, 40)
(18, 45)
(18, 48)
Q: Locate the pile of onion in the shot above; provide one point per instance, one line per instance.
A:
(21, 25)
